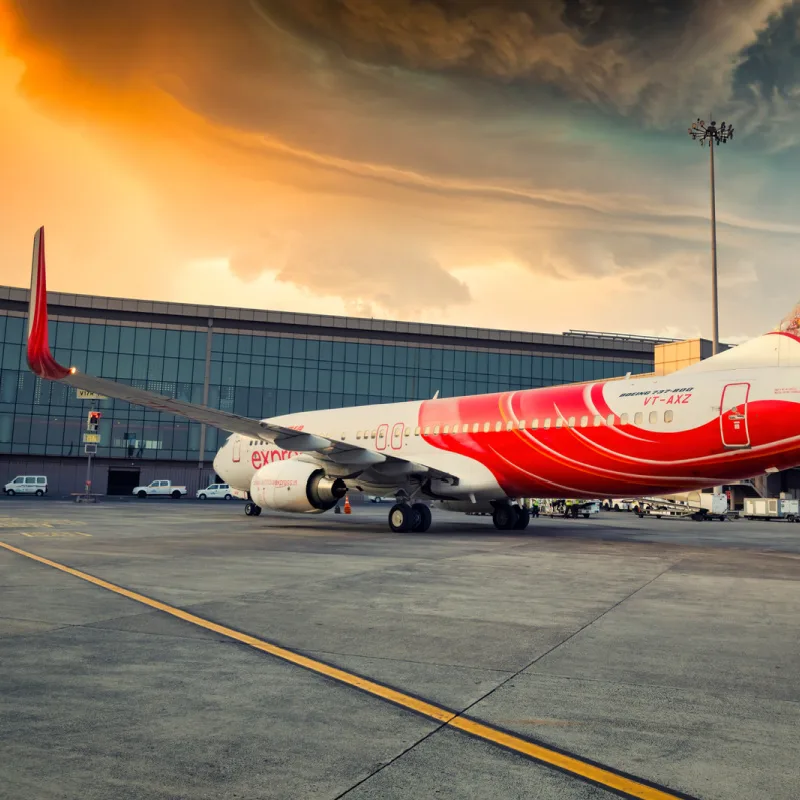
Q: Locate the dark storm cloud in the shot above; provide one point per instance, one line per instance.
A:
(248, 62)
(772, 62)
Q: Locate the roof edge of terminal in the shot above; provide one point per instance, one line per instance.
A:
(226, 316)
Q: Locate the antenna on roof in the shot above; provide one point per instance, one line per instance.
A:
(436, 395)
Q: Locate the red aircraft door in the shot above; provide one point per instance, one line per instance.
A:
(237, 448)
(733, 415)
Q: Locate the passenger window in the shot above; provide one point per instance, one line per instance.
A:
(559, 422)
(446, 429)
(44, 480)
(435, 430)
(668, 415)
(584, 421)
(408, 431)
(522, 424)
(638, 417)
(30, 480)
(571, 422)
(598, 420)
(498, 426)
(610, 419)
(358, 434)
(653, 417)
(623, 419)
(486, 427)
(19, 480)
(534, 424)
(547, 422)
(427, 430)
(416, 431)
(373, 434)
(510, 425)
(476, 427)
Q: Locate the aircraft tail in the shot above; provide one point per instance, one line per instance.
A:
(40, 359)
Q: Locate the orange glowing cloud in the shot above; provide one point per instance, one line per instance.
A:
(227, 152)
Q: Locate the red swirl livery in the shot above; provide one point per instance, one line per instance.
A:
(733, 416)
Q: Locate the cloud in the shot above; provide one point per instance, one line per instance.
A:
(359, 266)
(385, 155)
(652, 58)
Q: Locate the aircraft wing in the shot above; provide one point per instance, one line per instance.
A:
(43, 364)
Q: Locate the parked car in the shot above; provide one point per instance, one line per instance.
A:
(27, 484)
(217, 491)
(160, 488)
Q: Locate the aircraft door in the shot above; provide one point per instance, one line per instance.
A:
(237, 449)
(733, 416)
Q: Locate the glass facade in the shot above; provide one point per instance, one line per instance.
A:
(254, 373)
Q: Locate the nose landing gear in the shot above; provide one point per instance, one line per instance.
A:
(251, 509)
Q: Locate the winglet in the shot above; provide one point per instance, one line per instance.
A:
(40, 359)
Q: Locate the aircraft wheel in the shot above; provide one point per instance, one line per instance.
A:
(522, 520)
(250, 509)
(401, 518)
(504, 517)
(422, 517)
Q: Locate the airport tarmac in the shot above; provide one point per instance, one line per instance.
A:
(193, 652)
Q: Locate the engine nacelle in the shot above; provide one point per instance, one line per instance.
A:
(296, 486)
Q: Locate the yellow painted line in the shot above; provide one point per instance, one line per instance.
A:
(626, 785)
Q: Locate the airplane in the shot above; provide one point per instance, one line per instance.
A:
(733, 416)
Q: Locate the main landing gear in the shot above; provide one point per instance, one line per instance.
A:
(409, 518)
(251, 509)
(507, 517)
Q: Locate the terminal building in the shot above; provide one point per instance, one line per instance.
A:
(254, 363)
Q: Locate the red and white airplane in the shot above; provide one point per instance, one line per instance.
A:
(733, 416)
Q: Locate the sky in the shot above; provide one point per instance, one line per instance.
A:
(511, 164)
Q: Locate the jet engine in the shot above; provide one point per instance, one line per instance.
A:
(296, 486)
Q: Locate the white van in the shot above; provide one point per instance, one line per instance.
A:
(217, 491)
(27, 484)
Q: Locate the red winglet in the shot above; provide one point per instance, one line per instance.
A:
(40, 359)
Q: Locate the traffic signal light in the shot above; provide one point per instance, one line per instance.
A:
(93, 422)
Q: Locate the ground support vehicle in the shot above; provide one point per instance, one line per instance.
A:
(768, 508)
(700, 506)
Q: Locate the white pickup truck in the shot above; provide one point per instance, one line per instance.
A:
(160, 489)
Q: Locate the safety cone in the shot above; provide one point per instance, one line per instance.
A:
(347, 509)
